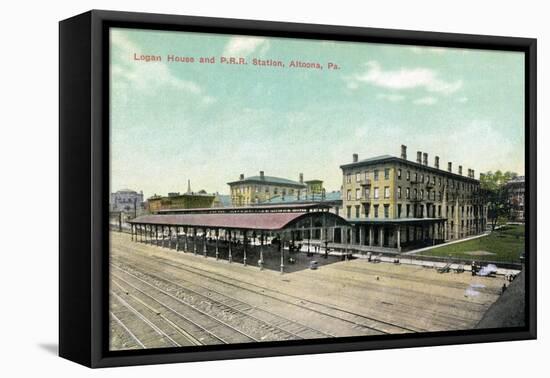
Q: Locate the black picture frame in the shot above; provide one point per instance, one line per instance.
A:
(84, 186)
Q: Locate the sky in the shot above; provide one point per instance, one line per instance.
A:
(174, 121)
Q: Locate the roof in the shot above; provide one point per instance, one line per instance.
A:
(294, 207)
(269, 180)
(395, 220)
(316, 198)
(225, 199)
(390, 158)
(249, 221)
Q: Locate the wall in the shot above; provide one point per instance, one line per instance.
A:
(29, 156)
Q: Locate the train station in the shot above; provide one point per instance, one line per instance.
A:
(242, 233)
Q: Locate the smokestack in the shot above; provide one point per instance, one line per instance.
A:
(460, 169)
(450, 166)
(241, 176)
(425, 158)
(436, 163)
(403, 152)
(262, 177)
(355, 158)
(419, 157)
(301, 178)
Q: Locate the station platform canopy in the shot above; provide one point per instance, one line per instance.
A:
(265, 221)
(294, 207)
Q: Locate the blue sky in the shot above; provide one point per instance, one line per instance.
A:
(171, 122)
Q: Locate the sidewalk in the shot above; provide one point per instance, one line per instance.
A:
(415, 251)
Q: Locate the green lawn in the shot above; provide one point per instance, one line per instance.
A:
(507, 244)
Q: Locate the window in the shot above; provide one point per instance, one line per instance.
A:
(375, 193)
(415, 194)
(386, 192)
(415, 176)
(398, 210)
(440, 181)
(367, 210)
(422, 177)
(357, 194)
(367, 193)
(386, 173)
(275, 191)
(421, 194)
(433, 180)
(427, 179)
(376, 174)
(408, 210)
(348, 178)
(408, 175)
(408, 193)
(358, 177)
(439, 211)
(376, 211)
(349, 195)
(399, 192)
(386, 211)
(349, 211)
(357, 211)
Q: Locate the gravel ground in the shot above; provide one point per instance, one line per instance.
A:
(341, 298)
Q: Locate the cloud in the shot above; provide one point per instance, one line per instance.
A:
(390, 97)
(426, 49)
(243, 46)
(429, 100)
(141, 76)
(405, 78)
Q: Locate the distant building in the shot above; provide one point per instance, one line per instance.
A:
(187, 200)
(256, 189)
(516, 198)
(127, 201)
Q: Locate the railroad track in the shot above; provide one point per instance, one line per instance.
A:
(183, 329)
(357, 321)
(387, 327)
(236, 317)
(225, 302)
(203, 327)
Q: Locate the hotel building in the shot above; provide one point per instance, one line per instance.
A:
(396, 203)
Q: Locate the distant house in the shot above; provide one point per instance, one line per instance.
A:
(127, 201)
(516, 198)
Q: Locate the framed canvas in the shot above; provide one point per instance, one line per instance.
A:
(236, 188)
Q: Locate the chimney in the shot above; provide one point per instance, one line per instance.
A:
(473, 173)
(355, 158)
(425, 158)
(450, 166)
(301, 178)
(419, 157)
(460, 169)
(262, 177)
(436, 162)
(403, 152)
(241, 177)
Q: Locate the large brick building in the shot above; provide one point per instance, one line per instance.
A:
(396, 203)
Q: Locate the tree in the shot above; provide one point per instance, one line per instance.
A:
(495, 193)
